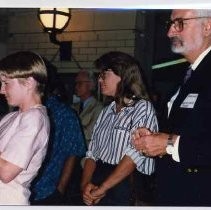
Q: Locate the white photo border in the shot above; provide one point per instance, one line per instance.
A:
(114, 4)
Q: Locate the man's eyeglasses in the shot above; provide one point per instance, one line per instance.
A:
(178, 23)
(81, 82)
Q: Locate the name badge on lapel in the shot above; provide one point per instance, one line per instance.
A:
(189, 101)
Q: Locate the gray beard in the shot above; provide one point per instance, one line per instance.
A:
(177, 49)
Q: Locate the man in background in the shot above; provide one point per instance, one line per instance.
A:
(89, 107)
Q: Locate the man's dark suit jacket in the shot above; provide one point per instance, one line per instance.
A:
(189, 181)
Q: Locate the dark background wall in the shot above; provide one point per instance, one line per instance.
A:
(93, 32)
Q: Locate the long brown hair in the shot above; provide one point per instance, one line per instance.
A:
(131, 86)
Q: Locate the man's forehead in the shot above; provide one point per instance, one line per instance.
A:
(182, 13)
(81, 77)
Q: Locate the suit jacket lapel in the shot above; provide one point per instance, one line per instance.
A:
(196, 81)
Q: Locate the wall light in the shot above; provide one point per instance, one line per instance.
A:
(54, 21)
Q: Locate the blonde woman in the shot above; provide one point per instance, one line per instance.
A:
(23, 133)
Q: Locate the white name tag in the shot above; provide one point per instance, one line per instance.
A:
(189, 101)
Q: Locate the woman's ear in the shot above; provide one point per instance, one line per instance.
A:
(30, 83)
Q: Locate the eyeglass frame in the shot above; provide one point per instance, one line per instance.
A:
(81, 82)
(102, 75)
(180, 22)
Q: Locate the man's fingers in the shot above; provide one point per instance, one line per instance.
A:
(88, 201)
(96, 201)
(140, 132)
(143, 131)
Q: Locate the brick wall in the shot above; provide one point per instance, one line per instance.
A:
(92, 32)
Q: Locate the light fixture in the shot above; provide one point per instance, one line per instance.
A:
(54, 21)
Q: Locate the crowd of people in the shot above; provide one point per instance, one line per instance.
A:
(52, 153)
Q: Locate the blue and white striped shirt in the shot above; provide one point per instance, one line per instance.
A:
(111, 138)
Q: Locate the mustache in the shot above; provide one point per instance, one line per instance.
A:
(175, 39)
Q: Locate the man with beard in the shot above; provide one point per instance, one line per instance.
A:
(182, 149)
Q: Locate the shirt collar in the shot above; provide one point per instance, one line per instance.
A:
(113, 108)
(87, 101)
(200, 58)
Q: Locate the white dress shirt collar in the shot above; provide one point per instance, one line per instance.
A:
(200, 58)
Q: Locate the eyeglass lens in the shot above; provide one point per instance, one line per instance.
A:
(102, 75)
(177, 24)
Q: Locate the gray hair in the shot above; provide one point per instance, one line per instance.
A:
(90, 77)
(203, 12)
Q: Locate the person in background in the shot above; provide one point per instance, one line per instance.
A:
(89, 107)
(4, 108)
(66, 145)
(111, 159)
(25, 132)
(184, 168)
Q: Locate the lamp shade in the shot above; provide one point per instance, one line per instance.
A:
(54, 19)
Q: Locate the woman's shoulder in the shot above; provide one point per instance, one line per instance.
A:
(37, 112)
(110, 106)
(143, 102)
(9, 116)
(107, 109)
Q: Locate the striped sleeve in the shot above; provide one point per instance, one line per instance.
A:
(93, 148)
(144, 116)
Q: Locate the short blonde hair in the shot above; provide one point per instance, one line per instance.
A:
(24, 64)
